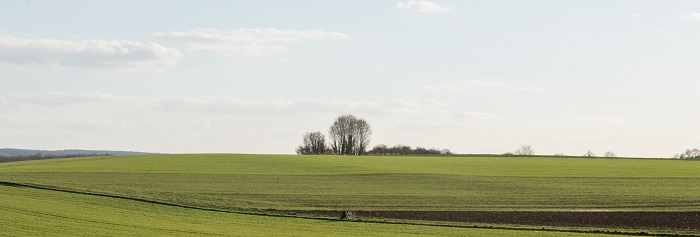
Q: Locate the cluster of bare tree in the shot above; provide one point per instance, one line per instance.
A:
(524, 150)
(348, 135)
(313, 143)
(382, 149)
(608, 154)
(689, 154)
(589, 153)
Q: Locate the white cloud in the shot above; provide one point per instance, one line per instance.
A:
(201, 125)
(475, 85)
(421, 125)
(89, 123)
(86, 53)
(601, 119)
(530, 88)
(423, 6)
(15, 121)
(225, 104)
(443, 88)
(246, 42)
(691, 16)
(470, 114)
(57, 98)
(631, 16)
(468, 85)
(70, 123)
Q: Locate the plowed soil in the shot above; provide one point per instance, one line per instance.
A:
(624, 220)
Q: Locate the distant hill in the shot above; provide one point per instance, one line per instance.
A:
(25, 152)
(11, 154)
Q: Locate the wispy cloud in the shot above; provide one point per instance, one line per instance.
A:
(86, 53)
(246, 42)
(422, 125)
(690, 16)
(530, 88)
(467, 85)
(443, 88)
(223, 104)
(631, 15)
(475, 85)
(83, 123)
(57, 98)
(471, 115)
(200, 125)
(601, 119)
(423, 6)
(69, 123)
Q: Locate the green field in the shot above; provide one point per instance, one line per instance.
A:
(34, 212)
(376, 183)
(232, 183)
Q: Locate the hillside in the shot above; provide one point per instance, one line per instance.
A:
(287, 182)
(27, 152)
(394, 187)
(35, 212)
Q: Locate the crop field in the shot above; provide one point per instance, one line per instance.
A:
(313, 184)
(33, 212)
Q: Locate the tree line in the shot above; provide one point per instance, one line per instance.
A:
(382, 149)
(527, 150)
(349, 135)
(689, 154)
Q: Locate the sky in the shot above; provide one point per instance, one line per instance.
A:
(254, 76)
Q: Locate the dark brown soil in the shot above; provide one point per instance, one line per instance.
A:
(623, 220)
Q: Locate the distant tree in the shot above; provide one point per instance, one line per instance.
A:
(445, 151)
(524, 150)
(610, 154)
(349, 135)
(589, 153)
(382, 149)
(559, 154)
(689, 154)
(313, 143)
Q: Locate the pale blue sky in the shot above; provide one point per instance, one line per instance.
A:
(252, 77)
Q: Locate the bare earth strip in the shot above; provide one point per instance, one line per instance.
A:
(683, 221)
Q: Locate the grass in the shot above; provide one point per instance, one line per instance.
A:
(35, 212)
(287, 182)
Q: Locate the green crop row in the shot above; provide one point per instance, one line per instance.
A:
(377, 183)
(34, 212)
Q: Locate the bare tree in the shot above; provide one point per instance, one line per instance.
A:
(610, 154)
(689, 154)
(349, 135)
(313, 143)
(589, 153)
(524, 150)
